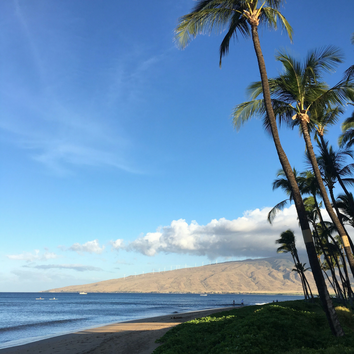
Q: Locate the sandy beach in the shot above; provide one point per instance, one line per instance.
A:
(132, 337)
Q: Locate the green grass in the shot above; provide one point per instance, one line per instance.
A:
(294, 327)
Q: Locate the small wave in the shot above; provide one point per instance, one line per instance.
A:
(39, 324)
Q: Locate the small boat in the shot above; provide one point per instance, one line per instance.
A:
(203, 294)
(82, 293)
(54, 298)
(39, 298)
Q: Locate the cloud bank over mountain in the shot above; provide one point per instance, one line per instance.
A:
(249, 236)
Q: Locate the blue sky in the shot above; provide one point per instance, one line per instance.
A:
(117, 150)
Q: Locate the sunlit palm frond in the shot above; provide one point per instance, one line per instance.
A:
(322, 60)
(270, 17)
(201, 22)
(210, 16)
(322, 117)
(244, 111)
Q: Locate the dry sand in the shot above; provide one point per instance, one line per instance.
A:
(132, 337)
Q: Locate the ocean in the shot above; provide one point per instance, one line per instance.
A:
(28, 317)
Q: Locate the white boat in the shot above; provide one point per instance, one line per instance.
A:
(82, 293)
(39, 298)
(203, 294)
(54, 298)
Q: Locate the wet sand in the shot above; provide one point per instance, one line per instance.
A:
(132, 337)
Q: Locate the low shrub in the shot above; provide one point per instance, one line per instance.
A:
(295, 327)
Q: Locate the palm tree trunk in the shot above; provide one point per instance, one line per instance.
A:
(324, 195)
(306, 232)
(347, 281)
(302, 276)
(308, 286)
(329, 263)
(332, 285)
(297, 261)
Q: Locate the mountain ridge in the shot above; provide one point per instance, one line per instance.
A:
(252, 276)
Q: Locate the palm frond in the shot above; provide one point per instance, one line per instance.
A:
(274, 211)
(321, 60)
(238, 22)
(270, 16)
(349, 73)
(244, 111)
(347, 136)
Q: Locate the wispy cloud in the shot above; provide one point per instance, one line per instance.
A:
(248, 236)
(66, 110)
(31, 257)
(88, 247)
(77, 267)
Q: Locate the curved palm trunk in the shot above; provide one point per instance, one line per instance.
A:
(305, 283)
(308, 286)
(339, 215)
(329, 263)
(344, 280)
(324, 195)
(297, 261)
(306, 232)
(332, 285)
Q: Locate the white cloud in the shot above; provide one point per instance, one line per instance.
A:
(89, 247)
(248, 236)
(117, 244)
(31, 257)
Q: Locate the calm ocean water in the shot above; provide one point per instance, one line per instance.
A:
(25, 319)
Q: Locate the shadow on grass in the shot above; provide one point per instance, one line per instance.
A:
(289, 327)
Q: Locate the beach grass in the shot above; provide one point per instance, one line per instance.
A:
(293, 327)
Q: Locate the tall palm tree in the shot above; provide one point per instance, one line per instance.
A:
(287, 244)
(244, 17)
(330, 250)
(298, 94)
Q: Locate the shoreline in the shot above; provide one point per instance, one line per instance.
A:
(135, 336)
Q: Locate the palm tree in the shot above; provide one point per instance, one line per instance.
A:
(332, 162)
(300, 269)
(331, 166)
(287, 242)
(330, 250)
(282, 182)
(299, 93)
(244, 17)
(347, 136)
(344, 203)
(321, 119)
